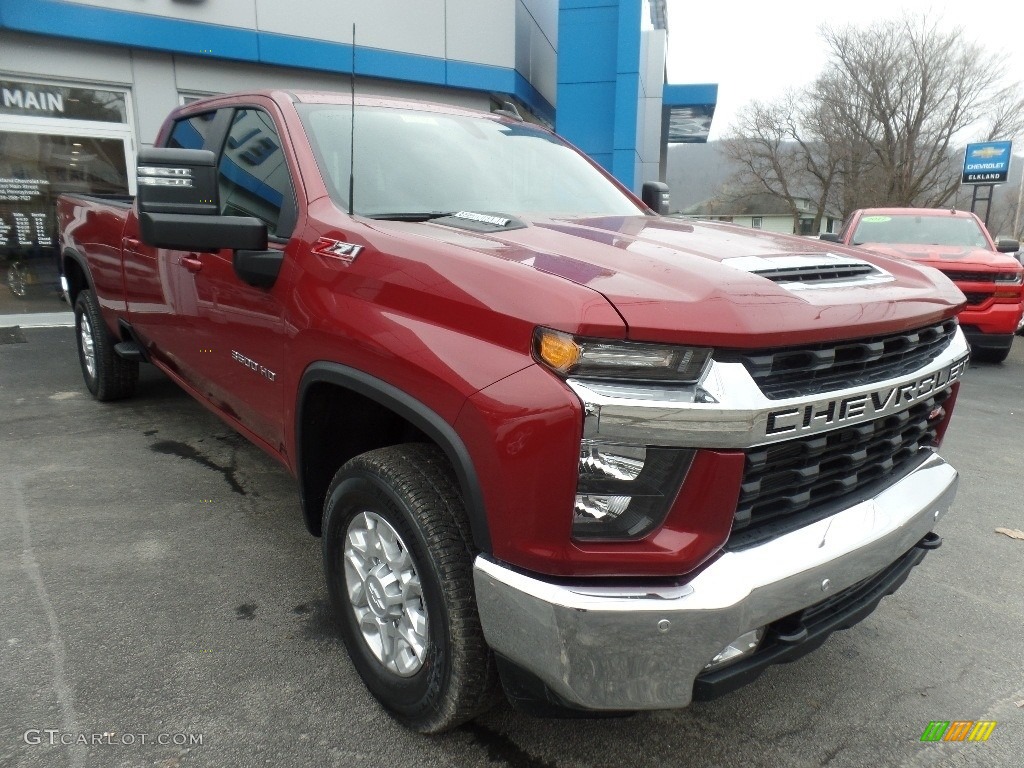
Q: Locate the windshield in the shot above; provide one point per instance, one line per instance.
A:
(921, 230)
(410, 163)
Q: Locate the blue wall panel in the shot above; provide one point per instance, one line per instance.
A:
(579, 117)
(587, 40)
(599, 80)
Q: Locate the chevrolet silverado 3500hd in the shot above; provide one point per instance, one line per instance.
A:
(552, 441)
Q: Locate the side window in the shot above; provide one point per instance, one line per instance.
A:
(253, 174)
(190, 133)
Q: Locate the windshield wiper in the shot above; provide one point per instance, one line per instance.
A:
(410, 215)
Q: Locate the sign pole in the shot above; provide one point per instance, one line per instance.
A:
(987, 199)
(1016, 215)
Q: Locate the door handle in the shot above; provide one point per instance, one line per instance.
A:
(191, 263)
(130, 243)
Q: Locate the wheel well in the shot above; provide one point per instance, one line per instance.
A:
(337, 425)
(343, 412)
(76, 277)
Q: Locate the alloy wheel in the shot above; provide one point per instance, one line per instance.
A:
(385, 594)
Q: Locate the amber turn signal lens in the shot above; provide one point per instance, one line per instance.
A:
(558, 351)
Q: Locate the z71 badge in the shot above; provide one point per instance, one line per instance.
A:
(346, 253)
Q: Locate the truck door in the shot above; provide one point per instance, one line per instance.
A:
(160, 291)
(239, 332)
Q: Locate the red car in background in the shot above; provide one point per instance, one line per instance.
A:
(957, 244)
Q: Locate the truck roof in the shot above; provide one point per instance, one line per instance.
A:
(916, 212)
(337, 97)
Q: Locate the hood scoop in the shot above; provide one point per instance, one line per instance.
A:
(808, 271)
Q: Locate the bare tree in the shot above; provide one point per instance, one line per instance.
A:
(762, 144)
(885, 122)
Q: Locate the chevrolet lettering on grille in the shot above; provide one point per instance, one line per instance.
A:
(813, 417)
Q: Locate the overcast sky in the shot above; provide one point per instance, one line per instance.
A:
(758, 50)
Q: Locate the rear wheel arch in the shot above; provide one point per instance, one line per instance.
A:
(326, 391)
(75, 270)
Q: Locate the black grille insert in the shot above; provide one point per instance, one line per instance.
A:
(795, 481)
(970, 277)
(977, 297)
(817, 368)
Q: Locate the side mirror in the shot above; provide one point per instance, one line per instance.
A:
(179, 206)
(655, 195)
(1007, 245)
(178, 181)
(829, 237)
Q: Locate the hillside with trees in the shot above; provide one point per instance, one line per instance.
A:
(884, 124)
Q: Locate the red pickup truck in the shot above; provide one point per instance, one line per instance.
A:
(958, 244)
(551, 440)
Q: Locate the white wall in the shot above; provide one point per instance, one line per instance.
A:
(653, 51)
(155, 80)
(536, 42)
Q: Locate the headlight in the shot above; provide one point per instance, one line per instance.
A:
(1011, 278)
(569, 355)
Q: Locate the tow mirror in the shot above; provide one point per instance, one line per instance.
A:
(655, 195)
(1007, 245)
(179, 207)
(180, 181)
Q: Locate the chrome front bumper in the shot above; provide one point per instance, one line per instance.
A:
(604, 648)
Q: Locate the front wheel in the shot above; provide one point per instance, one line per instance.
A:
(107, 376)
(399, 568)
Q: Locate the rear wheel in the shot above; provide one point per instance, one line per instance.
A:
(106, 375)
(399, 568)
(17, 280)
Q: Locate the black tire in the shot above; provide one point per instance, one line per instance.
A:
(412, 488)
(991, 355)
(111, 377)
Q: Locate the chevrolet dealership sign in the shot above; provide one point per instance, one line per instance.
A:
(987, 163)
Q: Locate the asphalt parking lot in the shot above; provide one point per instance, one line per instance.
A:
(157, 583)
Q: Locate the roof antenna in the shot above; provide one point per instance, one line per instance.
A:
(352, 132)
(509, 109)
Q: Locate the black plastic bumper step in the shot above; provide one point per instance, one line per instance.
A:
(130, 350)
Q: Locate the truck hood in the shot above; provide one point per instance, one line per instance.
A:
(944, 256)
(675, 281)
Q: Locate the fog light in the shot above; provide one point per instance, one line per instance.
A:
(744, 645)
(600, 461)
(599, 508)
(624, 491)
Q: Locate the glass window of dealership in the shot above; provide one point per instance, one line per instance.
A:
(54, 138)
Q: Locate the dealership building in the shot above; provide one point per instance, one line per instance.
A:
(85, 83)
